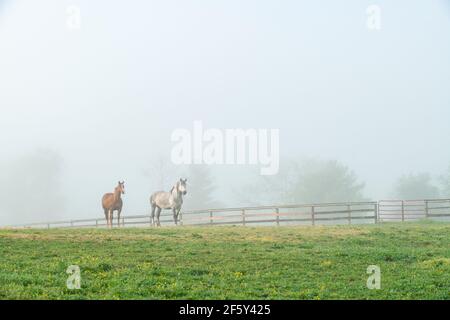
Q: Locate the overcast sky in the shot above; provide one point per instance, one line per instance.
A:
(108, 96)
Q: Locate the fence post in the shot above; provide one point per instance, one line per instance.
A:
(96, 223)
(277, 211)
(313, 218)
(426, 209)
(349, 213)
(181, 218)
(123, 221)
(71, 223)
(210, 217)
(48, 225)
(403, 210)
(243, 217)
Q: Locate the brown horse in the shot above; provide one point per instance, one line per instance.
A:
(112, 202)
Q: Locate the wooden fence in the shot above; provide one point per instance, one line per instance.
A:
(311, 214)
(306, 214)
(407, 210)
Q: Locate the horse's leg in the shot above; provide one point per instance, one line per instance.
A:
(178, 214)
(111, 214)
(153, 215)
(158, 213)
(106, 215)
(118, 217)
(174, 210)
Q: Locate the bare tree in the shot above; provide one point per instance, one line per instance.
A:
(162, 173)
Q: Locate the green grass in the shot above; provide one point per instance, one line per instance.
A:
(228, 262)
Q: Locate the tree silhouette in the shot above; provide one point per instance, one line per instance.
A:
(201, 188)
(304, 181)
(30, 188)
(445, 181)
(326, 181)
(415, 186)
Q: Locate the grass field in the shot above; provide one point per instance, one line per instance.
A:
(228, 262)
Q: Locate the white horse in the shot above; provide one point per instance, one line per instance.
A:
(168, 200)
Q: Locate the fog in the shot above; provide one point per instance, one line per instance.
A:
(84, 108)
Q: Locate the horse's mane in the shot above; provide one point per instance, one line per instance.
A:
(176, 185)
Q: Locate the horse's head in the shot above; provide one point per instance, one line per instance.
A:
(121, 187)
(181, 185)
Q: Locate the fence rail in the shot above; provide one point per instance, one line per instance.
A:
(304, 214)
